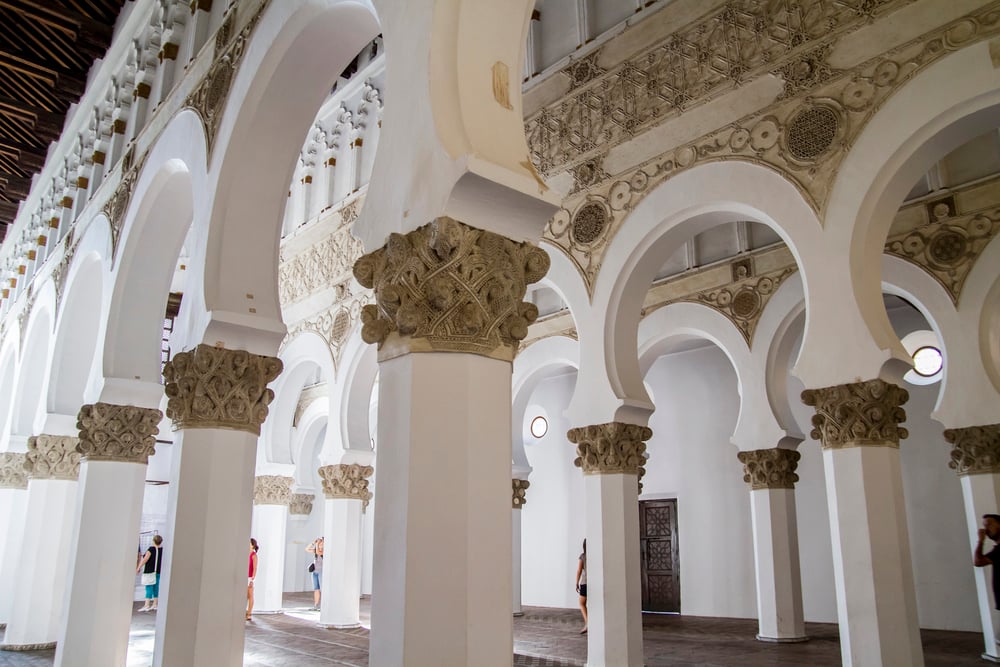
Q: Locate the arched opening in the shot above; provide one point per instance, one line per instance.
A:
(77, 337)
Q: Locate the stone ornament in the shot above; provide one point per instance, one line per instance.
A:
(323, 264)
(347, 480)
(519, 488)
(613, 448)
(300, 503)
(111, 432)
(12, 471)
(860, 414)
(770, 468)
(212, 387)
(448, 287)
(52, 457)
(272, 490)
(975, 449)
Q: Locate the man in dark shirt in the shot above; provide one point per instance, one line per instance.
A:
(990, 529)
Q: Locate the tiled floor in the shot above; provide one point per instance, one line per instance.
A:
(542, 638)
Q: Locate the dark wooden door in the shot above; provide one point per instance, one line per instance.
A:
(661, 575)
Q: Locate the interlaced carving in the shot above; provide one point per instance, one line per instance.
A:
(52, 457)
(111, 432)
(612, 448)
(300, 503)
(770, 468)
(347, 480)
(975, 449)
(812, 131)
(12, 471)
(117, 204)
(272, 490)
(212, 387)
(860, 414)
(519, 487)
(589, 222)
(325, 263)
(450, 287)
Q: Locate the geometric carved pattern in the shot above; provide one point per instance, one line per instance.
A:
(613, 448)
(347, 481)
(975, 449)
(659, 555)
(272, 490)
(123, 433)
(446, 286)
(12, 472)
(323, 264)
(812, 131)
(52, 457)
(770, 468)
(659, 521)
(859, 414)
(743, 302)
(300, 503)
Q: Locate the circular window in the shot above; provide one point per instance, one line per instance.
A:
(539, 426)
(927, 361)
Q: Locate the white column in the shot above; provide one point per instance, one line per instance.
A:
(13, 505)
(442, 574)
(94, 627)
(340, 602)
(269, 526)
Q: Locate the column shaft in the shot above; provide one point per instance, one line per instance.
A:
(981, 493)
(13, 506)
(516, 560)
(269, 529)
(614, 587)
(210, 500)
(776, 558)
(341, 584)
(442, 574)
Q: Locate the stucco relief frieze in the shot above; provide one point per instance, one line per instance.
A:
(12, 471)
(859, 414)
(212, 387)
(975, 449)
(52, 457)
(272, 490)
(111, 432)
(321, 265)
(612, 448)
(118, 202)
(770, 468)
(804, 134)
(519, 490)
(450, 287)
(300, 503)
(948, 245)
(347, 480)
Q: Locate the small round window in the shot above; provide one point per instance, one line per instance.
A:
(927, 361)
(539, 426)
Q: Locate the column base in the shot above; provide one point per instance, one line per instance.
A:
(27, 647)
(334, 626)
(782, 640)
(267, 613)
(989, 658)
(518, 614)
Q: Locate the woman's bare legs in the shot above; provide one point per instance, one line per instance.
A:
(583, 610)
(249, 600)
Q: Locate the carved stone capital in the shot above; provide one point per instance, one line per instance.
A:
(519, 487)
(212, 387)
(613, 448)
(12, 471)
(448, 287)
(272, 490)
(300, 503)
(347, 480)
(975, 449)
(860, 414)
(111, 432)
(52, 457)
(770, 468)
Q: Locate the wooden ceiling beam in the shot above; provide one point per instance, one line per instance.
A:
(15, 187)
(63, 19)
(62, 81)
(8, 210)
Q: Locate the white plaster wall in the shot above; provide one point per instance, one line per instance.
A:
(691, 459)
(552, 520)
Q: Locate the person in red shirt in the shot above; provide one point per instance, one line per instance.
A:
(251, 573)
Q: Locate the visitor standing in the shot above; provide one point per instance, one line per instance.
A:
(251, 573)
(149, 567)
(316, 549)
(581, 585)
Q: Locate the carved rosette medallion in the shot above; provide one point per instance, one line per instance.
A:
(448, 287)
(52, 457)
(300, 503)
(613, 448)
(520, 489)
(860, 414)
(12, 471)
(770, 468)
(111, 432)
(272, 490)
(975, 449)
(347, 480)
(212, 387)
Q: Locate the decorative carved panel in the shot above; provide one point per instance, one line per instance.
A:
(975, 449)
(12, 471)
(347, 481)
(300, 503)
(612, 448)
(319, 266)
(52, 457)
(272, 490)
(117, 432)
(770, 468)
(859, 414)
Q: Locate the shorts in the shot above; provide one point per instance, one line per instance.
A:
(583, 590)
(316, 585)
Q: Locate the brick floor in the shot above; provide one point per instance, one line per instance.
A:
(543, 637)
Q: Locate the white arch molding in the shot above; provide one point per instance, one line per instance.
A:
(33, 369)
(533, 365)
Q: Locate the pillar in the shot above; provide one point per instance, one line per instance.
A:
(975, 456)
(346, 489)
(115, 444)
(448, 319)
(13, 503)
(52, 465)
(300, 506)
(218, 399)
(519, 488)
(858, 426)
(771, 476)
(612, 457)
(271, 495)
